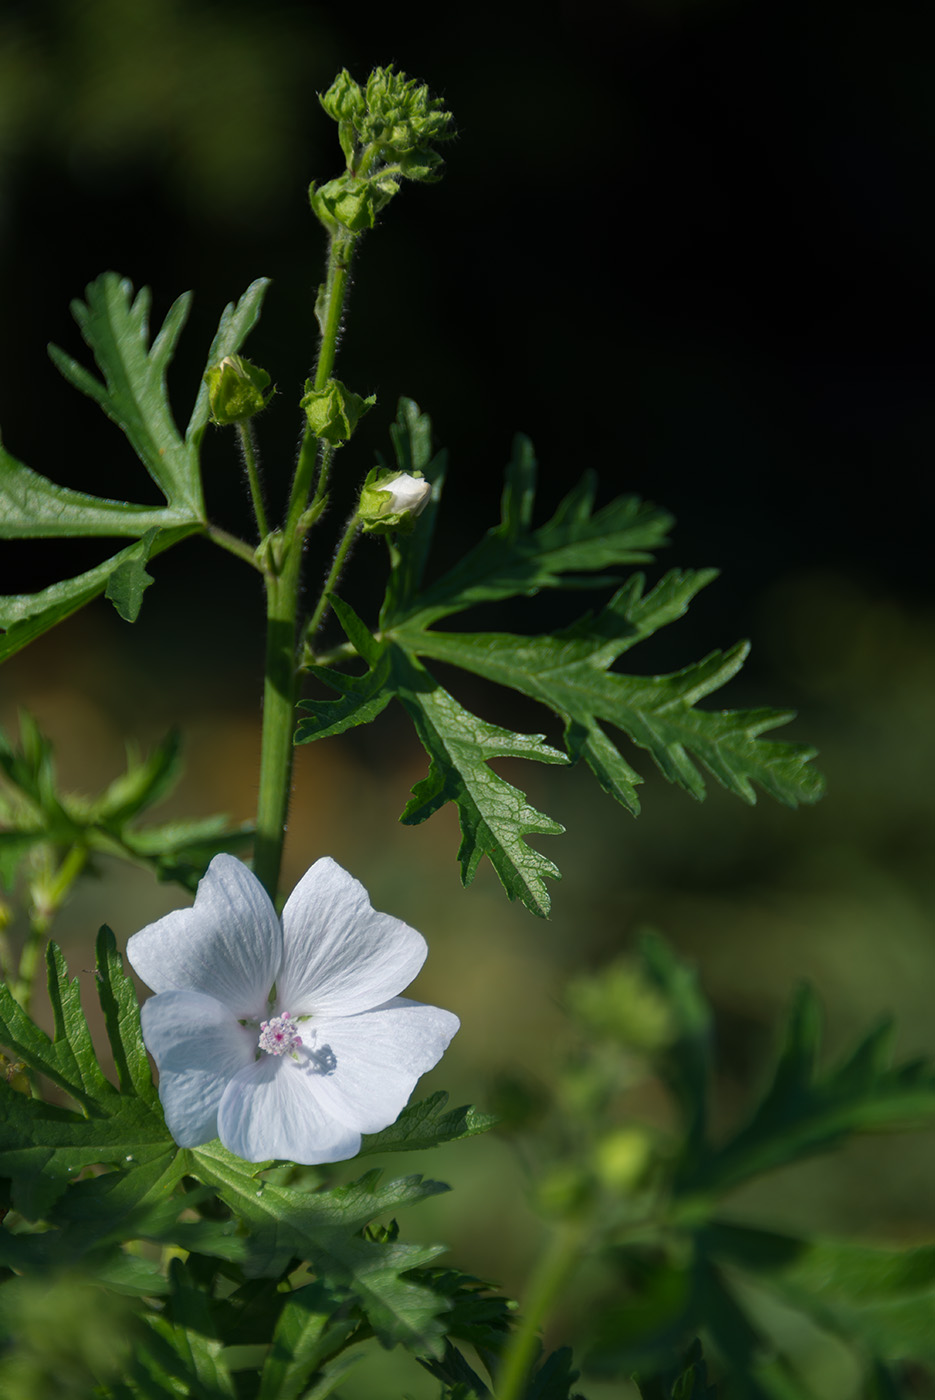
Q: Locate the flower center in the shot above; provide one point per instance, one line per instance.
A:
(280, 1035)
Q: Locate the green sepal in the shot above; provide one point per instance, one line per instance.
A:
(376, 508)
(348, 202)
(334, 411)
(344, 100)
(237, 390)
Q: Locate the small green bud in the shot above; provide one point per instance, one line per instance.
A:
(334, 411)
(623, 1006)
(236, 390)
(13, 1073)
(621, 1158)
(344, 100)
(392, 500)
(346, 203)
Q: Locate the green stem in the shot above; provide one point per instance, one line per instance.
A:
(331, 582)
(53, 897)
(248, 448)
(233, 545)
(549, 1278)
(279, 697)
(282, 599)
(340, 254)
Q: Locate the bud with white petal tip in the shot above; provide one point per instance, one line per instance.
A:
(392, 500)
(237, 390)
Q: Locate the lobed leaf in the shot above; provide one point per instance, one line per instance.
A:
(26, 616)
(880, 1300)
(425, 1124)
(512, 558)
(805, 1111)
(284, 1223)
(495, 817)
(568, 672)
(115, 326)
(32, 507)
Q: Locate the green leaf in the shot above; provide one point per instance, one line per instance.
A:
(881, 1301)
(554, 1378)
(128, 582)
(411, 436)
(42, 1145)
(460, 1380)
(425, 1124)
(284, 1223)
(309, 1330)
(568, 672)
(31, 507)
(235, 325)
(805, 1111)
(686, 1062)
(146, 782)
(514, 559)
(689, 1381)
(122, 1019)
(115, 326)
(495, 816)
(133, 394)
(26, 616)
(38, 814)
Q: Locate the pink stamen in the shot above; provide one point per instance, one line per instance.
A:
(279, 1035)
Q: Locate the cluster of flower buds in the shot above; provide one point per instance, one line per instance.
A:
(387, 131)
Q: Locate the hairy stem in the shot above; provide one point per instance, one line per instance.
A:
(282, 597)
(279, 697)
(334, 573)
(248, 448)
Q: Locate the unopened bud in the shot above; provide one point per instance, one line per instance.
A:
(392, 500)
(334, 411)
(236, 390)
(622, 1158)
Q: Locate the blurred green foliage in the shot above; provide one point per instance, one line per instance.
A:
(210, 94)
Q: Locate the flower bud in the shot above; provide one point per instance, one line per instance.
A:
(334, 411)
(622, 1158)
(392, 500)
(344, 99)
(236, 390)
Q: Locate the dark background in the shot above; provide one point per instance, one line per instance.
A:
(690, 246)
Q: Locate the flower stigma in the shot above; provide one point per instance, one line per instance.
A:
(279, 1035)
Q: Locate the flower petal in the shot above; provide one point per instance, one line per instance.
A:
(271, 1109)
(228, 945)
(198, 1047)
(339, 955)
(369, 1063)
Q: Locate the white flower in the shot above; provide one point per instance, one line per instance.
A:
(408, 493)
(285, 1039)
